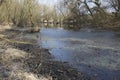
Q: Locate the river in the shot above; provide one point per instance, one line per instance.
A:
(93, 52)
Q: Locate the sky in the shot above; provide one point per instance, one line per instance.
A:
(53, 2)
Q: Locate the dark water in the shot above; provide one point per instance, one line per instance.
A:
(93, 52)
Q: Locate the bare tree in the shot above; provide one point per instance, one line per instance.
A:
(115, 4)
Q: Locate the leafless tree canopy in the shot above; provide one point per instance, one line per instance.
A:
(82, 12)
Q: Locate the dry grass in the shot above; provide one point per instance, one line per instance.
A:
(12, 54)
(16, 70)
(21, 75)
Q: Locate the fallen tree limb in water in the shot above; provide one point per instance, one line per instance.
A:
(12, 41)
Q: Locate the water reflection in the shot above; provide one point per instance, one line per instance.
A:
(63, 26)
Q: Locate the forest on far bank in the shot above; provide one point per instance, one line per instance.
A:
(94, 13)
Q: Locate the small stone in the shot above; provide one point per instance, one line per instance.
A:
(89, 66)
(95, 75)
(4, 74)
(98, 53)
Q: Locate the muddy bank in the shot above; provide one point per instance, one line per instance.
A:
(29, 62)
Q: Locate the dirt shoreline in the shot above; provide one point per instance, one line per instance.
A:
(30, 62)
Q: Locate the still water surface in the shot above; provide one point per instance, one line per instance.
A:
(93, 52)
